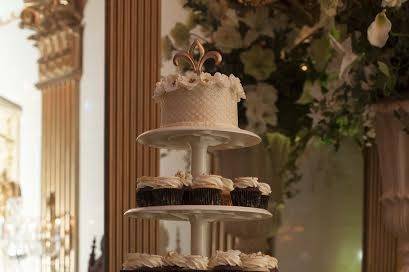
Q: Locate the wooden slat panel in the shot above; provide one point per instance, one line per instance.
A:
(132, 54)
(379, 245)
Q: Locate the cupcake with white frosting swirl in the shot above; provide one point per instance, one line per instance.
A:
(185, 177)
(226, 261)
(246, 192)
(196, 263)
(205, 190)
(144, 187)
(255, 262)
(265, 190)
(167, 191)
(140, 262)
(228, 186)
(174, 261)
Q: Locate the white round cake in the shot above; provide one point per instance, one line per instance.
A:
(202, 100)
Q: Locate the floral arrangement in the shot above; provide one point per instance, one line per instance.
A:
(310, 68)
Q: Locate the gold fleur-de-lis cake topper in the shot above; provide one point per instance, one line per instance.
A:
(197, 65)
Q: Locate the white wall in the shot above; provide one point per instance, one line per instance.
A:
(91, 206)
(172, 12)
(18, 74)
(322, 226)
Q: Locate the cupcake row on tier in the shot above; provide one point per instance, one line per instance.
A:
(182, 189)
(232, 260)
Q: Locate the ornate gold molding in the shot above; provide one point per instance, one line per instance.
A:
(57, 26)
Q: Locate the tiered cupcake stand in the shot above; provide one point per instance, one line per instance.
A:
(199, 141)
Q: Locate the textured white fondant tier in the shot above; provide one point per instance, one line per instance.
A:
(209, 106)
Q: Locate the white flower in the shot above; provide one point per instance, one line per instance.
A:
(222, 81)
(227, 37)
(237, 88)
(206, 79)
(189, 81)
(167, 84)
(378, 31)
(392, 3)
(316, 117)
(260, 107)
(348, 56)
(170, 82)
(159, 90)
(260, 23)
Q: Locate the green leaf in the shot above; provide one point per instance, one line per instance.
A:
(180, 34)
(383, 67)
(306, 97)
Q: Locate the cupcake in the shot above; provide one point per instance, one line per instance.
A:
(246, 192)
(196, 263)
(144, 187)
(205, 190)
(226, 189)
(186, 178)
(174, 261)
(265, 194)
(255, 262)
(167, 191)
(226, 261)
(139, 262)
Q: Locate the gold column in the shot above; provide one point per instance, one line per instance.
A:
(57, 33)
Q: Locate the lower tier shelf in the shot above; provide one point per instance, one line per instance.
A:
(204, 213)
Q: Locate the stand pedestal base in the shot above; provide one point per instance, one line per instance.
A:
(198, 239)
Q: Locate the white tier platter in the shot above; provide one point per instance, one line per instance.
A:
(206, 213)
(215, 139)
(199, 216)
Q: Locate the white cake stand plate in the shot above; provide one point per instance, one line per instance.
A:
(199, 141)
(206, 213)
(199, 216)
(215, 139)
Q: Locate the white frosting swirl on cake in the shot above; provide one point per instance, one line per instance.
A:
(197, 262)
(191, 80)
(207, 181)
(145, 181)
(264, 188)
(272, 262)
(255, 262)
(137, 260)
(167, 182)
(175, 259)
(185, 177)
(228, 258)
(227, 184)
(245, 182)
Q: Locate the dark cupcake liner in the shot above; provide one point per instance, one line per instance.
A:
(144, 269)
(203, 196)
(226, 199)
(172, 268)
(186, 195)
(144, 197)
(222, 268)
(167, 196)
(247, 197)
(264, 199)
